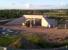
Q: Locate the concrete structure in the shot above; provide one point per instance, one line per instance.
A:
(39, 20)
(34, 21)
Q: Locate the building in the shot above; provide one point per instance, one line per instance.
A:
(34, 21)
(39, 21)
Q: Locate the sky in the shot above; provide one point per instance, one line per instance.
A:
(26, 4)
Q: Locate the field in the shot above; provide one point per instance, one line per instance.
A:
(42, 37)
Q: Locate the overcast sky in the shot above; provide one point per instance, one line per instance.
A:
(21, 4)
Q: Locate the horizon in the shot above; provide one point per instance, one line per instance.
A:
(34, 4)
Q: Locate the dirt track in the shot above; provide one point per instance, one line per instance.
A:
(50, 34)
(38, 30)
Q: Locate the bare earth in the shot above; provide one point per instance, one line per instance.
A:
(50, 34)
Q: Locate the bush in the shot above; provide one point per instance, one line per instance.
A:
(5, 41)
(38, 40)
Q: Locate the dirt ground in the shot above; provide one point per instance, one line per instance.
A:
(50, 34)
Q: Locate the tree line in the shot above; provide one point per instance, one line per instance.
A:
(15, 13)
(6, 14)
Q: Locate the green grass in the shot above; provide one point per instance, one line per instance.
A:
(39, 41)
(33, 38)
(6, 40)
